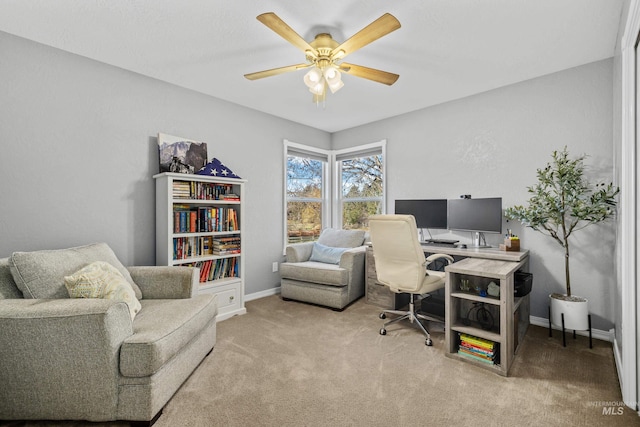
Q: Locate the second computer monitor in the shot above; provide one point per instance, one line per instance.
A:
(429, 213)
(476, 215)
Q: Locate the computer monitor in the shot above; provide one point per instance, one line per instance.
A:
(477, 216)
(429, 213)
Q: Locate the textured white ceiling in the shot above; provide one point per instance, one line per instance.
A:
(445, 50)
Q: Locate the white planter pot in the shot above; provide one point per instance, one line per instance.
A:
(575, 310)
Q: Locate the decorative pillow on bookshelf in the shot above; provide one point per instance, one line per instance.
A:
(326, 254)
(102, 280)
(40, 274)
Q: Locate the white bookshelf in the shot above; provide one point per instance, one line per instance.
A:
(182, 240)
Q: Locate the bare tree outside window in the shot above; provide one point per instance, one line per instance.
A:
(362, 190)
(304, 198)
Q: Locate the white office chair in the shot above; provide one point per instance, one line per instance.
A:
(402, 266)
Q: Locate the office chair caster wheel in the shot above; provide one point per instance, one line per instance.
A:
(428, 342)
(383, 331)
(383, 316)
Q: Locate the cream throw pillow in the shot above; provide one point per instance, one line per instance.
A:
(102, 280)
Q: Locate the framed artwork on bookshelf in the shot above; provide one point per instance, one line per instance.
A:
(181, 155)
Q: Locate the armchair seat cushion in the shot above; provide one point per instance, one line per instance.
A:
(161, 330)
(315, 272)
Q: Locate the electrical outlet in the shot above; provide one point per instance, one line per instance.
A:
(274, 267)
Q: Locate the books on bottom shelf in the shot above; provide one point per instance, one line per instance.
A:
(215, 269)
(479, 349)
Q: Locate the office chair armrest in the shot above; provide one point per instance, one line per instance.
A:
(434, 257)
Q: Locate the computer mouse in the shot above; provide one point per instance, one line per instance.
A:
(462, 246)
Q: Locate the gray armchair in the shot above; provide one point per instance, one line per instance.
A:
(329, 272)
(85, 358)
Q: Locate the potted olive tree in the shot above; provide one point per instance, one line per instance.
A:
(563, 202)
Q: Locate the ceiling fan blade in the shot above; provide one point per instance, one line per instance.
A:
(281, 28)
(372, 32)
(369, 73)
(275, 71)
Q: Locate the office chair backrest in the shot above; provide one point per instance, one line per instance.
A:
(400, 261)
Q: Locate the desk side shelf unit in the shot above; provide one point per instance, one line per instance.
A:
(199, 223)
(510, 314)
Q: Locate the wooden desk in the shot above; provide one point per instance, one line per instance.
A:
(479, 266)
(511, 314)
(485, 253)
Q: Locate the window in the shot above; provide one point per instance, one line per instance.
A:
(360, 177)
(313, 203)
(306, 192)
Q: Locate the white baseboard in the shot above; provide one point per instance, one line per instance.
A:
(262, 294)
(595, 333)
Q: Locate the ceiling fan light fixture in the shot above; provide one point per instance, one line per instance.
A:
(333, 78)
(318, 88)
(313, 77)
(330, 73)
(336, 86)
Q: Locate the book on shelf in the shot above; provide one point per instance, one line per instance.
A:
(203, 191)
(477, 341)
(204, 219)
(473, 357)
(477, 348)
(216, 269)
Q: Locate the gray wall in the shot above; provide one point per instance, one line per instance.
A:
(79, 151)
(491, 144)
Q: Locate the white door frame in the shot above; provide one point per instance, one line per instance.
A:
(628, 223)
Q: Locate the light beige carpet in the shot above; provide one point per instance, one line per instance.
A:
(294, 364)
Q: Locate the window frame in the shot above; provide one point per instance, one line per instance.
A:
(332, 198)
(338, 156)
(301, 150)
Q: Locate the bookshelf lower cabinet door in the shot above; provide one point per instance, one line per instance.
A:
(228, 299)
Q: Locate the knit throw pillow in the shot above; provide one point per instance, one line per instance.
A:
(102, 280)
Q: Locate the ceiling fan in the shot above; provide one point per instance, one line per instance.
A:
(324, 55)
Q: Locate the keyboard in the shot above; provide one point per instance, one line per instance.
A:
(442, 241)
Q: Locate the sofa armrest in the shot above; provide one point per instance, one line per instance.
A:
(353, 256)
(299, 252)
(164, 282)
(60, 358)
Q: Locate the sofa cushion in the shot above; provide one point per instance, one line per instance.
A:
(341, 238)
(8, 288)
(40, 274)
(162, 329)
(102, 280)
(315, 272)
(326, 254)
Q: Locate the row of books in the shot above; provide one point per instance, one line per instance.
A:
(226, 245)
(479, 349)
(216, 269)
(197, 246)
(204, 219)
(203, 191)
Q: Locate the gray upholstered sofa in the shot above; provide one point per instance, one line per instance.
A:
(67, 358)
(335, 280)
